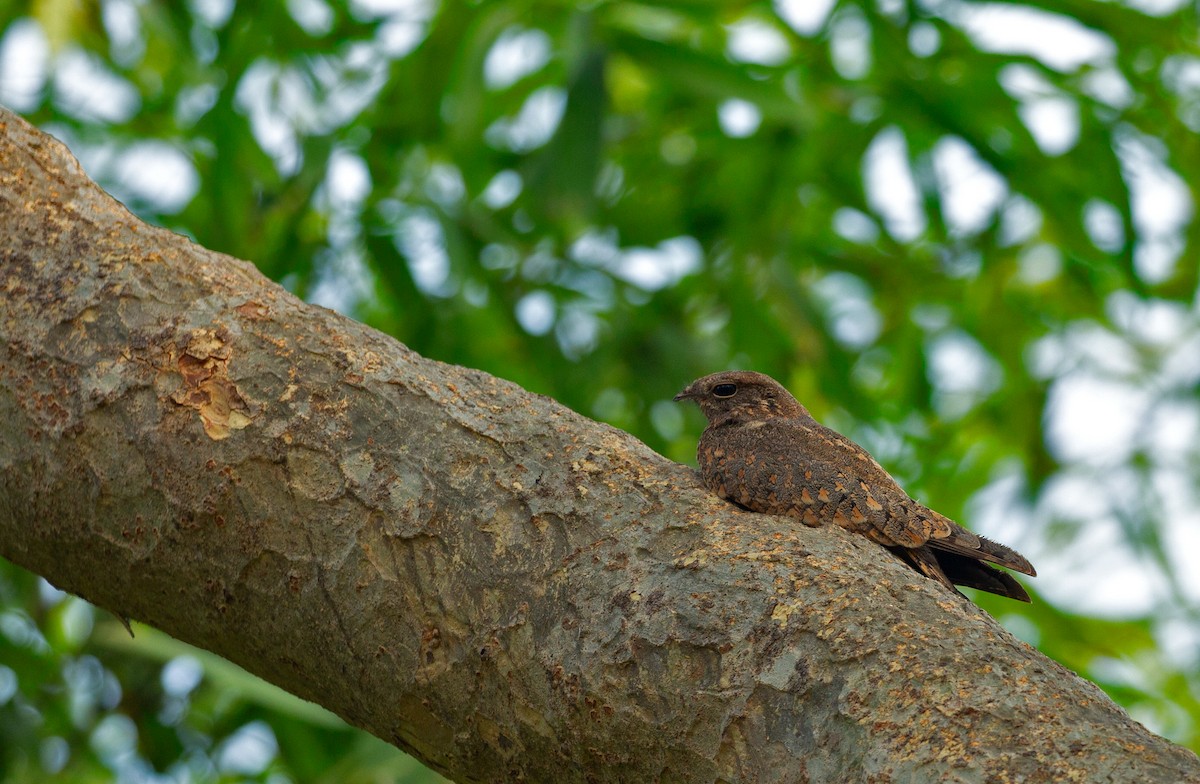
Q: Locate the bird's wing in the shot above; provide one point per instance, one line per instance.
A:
(861, 496)
(840, 481)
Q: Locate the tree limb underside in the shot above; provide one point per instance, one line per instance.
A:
(494, 583)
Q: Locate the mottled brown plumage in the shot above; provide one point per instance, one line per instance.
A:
(762, 450)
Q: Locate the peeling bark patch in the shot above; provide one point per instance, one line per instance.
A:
(206, 387)
(252, 310)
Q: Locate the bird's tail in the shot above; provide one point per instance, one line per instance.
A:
(962, 542)
(951, 568)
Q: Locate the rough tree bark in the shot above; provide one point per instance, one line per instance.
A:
(490, 581)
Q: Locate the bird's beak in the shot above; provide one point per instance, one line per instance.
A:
(685, 394)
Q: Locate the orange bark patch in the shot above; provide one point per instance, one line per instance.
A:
(206, 387)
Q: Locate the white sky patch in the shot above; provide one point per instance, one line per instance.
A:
(8, 684)
(1060, 42)
(348, 181)
(84, 88)
(1102, 222)
(1109, 85)
(1162, 205)
(262, 91)
(315, 16)
(534, 124)
(181, 675)
(535, 312)
(423, 244)
(1072, 494)
(1157, 7)
(502, 190)
(1095, 420)
(24, 65)
(1160, 323)
(738, 118)
(755, 41)
(444, 184)
(285, 102)
(393, 8)
(192, 103)
(1020, 221)
(1051, 116)
(406, 23)
(1054, 123)
(248, 751)
(655, 268)
(515, 54)
(924, 39)
(1155, 258)
(114, 738)
(853, 319)
(1181, 525)
(1181, 363)
(1174, 428)
(343, 280)
(158, 173)
(855, 226)
(998, 511)
(121, 21)
(398, 36)
(806, 17)
(1092, 420)
(1179, 637)
(597, 248)
(1098, 575)
(1082, 346)
(577, 331)
(961, 373)
(891, 188)
(957, 363)
(215, 13)
(850, 44)
(970, 190)
(1181, 74)
(1039, 263)
(667, 418)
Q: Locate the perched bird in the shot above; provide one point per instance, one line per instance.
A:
(763, 451)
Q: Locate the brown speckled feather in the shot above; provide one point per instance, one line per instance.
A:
(764, 451)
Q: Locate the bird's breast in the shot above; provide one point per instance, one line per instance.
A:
(742, 468)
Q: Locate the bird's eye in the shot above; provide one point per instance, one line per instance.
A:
(725, 390)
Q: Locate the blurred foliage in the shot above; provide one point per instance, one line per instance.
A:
(960, 232)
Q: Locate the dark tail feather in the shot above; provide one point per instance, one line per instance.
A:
(963, 570)
(952, 569)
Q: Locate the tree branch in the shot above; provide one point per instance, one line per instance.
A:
(484, 578)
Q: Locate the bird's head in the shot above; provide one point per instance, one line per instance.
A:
(741, 395)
